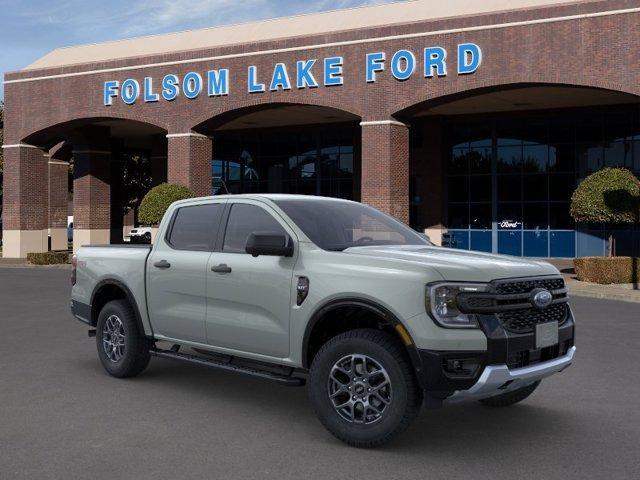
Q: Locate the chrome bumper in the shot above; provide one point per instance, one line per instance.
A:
(498, 379)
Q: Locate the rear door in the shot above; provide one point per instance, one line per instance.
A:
(249, 298)
(176, 272)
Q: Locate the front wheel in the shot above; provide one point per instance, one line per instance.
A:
(510, 398)
(122, 348)
(363, 388)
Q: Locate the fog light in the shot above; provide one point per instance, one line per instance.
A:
(461, 366)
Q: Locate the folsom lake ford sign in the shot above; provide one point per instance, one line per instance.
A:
(310, 73)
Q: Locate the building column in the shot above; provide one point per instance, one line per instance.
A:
(25, 201)
(189, 161)
(385, 167)
(158, 160)
(58, 196)
(91, 187)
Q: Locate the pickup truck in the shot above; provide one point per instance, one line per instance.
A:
(299, 289)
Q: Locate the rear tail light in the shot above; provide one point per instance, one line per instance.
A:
(74, 266)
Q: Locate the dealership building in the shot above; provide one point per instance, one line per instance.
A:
(472, 121)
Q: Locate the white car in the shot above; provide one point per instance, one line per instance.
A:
(140, 235)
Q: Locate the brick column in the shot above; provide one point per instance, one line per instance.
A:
(58, 196)
(25, 201)
(189, 161)
(158, 160)
(91, 187)
(385, 167)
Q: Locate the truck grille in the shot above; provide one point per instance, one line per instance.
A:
(524, 321)
(510, 301)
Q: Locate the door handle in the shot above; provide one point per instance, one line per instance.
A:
(162, 264)
(222, 268)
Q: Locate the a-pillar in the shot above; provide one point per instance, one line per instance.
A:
(189, 161)
(58, 195)
(91, 187)
(24, 212)
(385, 167)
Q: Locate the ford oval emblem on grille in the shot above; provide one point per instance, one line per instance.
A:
(541, 298)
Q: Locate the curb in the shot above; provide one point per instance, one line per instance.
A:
(630, 296)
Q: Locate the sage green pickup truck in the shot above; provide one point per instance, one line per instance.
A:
(297, 289)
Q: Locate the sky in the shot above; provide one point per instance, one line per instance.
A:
(30, 29)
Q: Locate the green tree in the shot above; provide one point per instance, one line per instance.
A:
(157, 201)
(136, 182)
(608, 196)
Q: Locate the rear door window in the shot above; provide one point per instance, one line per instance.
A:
(196, 227)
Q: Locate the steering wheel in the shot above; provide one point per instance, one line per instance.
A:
(364, 240)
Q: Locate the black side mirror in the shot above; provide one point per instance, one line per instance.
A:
(269, 243)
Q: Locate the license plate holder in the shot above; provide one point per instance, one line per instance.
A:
(546, 334)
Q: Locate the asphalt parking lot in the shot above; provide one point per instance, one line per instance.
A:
(62, 416)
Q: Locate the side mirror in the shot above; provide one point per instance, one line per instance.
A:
(269, 243)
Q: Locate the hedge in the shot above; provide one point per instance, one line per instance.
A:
(607, 270)
(610, 195)
(156, 202)
(48, 258)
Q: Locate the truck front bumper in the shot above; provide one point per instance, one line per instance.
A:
(499, 379)
(511, 361)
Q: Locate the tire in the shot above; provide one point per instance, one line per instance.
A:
(510, 398)
(388, 360)
(132, 356)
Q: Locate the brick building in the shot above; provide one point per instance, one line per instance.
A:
(472, 118)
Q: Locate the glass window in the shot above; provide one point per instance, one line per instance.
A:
(480, 216)
(561, 186)
(509, 216)
(480, 188)
(535, 216)
(510, 159)
(337, 225)
(458, 189)
(559, 216)
(195, 227)
(535, 187)
(245, 219)
(535, 158)
(458, 216)
(480, 160)
(509, 188)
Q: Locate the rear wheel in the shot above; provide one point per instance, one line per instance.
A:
(122, 348)
(510, 398)
(363, 388)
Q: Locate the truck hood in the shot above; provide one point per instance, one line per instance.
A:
(459, 265)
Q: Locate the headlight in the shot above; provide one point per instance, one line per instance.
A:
(443, 307)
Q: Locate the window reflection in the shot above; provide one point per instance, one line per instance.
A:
(317, 161)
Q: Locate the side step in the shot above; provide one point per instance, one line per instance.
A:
(282, 379)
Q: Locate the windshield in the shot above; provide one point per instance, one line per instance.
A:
(335, 225)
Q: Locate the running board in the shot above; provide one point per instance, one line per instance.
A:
(287, 380)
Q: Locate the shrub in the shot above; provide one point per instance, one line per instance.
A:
(48, 258)
(156, 202)
(606, 270)
(610, 195)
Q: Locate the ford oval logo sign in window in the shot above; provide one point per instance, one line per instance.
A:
(541, 298)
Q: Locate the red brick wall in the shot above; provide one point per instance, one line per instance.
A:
(189, 163)
(385, 168)
(25, 186)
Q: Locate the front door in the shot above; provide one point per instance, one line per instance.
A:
(177, 272)
(249, 298)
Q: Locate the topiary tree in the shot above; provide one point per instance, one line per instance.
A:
(157, 201)
(610, 195)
